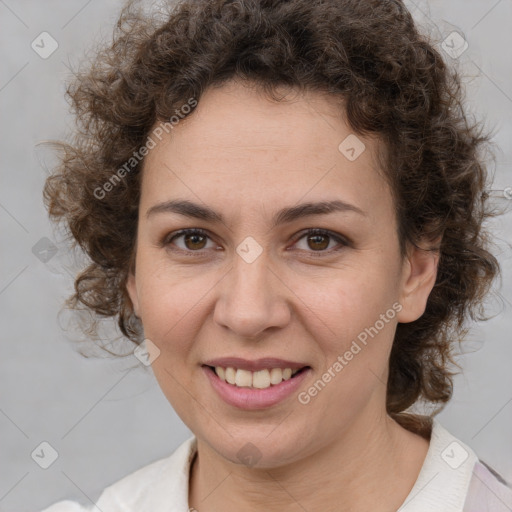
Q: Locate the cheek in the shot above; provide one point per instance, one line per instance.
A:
(170, 306)
(347, 301)
(171, 311)
(355, 342)
(353, 326)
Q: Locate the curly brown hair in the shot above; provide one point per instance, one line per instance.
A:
(394, 84)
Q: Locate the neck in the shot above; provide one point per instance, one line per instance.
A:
(365, 468)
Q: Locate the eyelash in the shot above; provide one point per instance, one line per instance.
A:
(314, 231)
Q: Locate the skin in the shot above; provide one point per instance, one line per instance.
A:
(246, 157)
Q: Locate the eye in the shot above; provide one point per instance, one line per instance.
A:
(318, 241)
(194, 240)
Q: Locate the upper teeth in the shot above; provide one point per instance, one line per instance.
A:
(261, 379)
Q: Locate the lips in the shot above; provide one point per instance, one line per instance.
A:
(257, 394)
(251, 398)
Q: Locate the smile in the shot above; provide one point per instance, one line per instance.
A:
(261, 379)
(255, 390)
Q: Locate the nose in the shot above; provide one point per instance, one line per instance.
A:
(252, 299)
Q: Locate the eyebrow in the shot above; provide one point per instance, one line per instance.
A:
(196, 211)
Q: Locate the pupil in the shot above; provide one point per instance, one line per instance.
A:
(315, 239)
(194, 239)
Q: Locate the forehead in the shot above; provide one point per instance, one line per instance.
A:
(240, 146)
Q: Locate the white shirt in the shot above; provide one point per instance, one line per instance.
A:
(451, 479)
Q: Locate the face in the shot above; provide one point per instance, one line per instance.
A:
(253, 283)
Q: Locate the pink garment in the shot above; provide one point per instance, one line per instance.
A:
(488, 491)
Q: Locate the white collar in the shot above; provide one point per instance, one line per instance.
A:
(444, 478)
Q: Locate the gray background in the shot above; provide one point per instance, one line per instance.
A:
(104, 421)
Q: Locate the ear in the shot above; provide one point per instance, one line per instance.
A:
(418, 278)
(131, 288)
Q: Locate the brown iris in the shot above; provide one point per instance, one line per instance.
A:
(316, 240)
(194, 237)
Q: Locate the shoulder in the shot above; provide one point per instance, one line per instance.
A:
(145, 488)
(488, 490)
(453, 478)
(479, 487)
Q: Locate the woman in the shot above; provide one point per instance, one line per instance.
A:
(283, 207)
